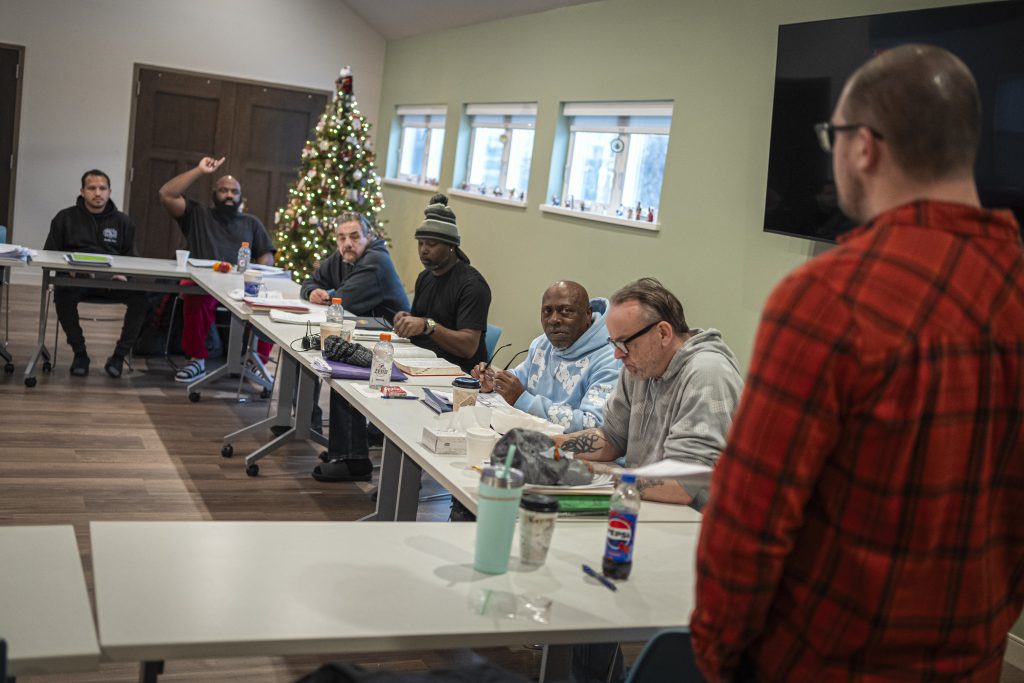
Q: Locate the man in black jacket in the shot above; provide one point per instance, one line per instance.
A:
(362, 274)
(95, 226)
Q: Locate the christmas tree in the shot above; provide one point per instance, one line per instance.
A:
(336, 175)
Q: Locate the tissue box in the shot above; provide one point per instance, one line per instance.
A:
(444, 441)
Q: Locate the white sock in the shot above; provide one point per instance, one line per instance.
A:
(201, 362)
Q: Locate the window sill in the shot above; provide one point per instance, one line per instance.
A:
(600, 218)
(410, 184)
(486, 198)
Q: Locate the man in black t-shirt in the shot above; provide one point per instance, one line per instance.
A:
(95, 226)
(211, 233)
(451, 299)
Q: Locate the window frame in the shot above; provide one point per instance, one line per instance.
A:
(434, 118)
(630, 119)
(507, 126)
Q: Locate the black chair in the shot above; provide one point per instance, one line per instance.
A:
(666, 658)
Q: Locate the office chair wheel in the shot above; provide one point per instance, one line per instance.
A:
(9, 368)
(263, 394)
(30, 382)
(194, 396)
(252, 470)
(227, 451)
(47, 366)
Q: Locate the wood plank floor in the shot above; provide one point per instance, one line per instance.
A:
(73, 450)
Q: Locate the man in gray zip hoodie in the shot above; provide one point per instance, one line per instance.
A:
(675, 397)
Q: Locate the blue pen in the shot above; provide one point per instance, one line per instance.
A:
(601, 579)
(409, 397)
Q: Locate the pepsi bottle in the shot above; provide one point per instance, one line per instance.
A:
(622, 514)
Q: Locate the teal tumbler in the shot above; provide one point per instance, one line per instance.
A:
(496, 509)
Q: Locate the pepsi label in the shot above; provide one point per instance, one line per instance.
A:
(621, 528)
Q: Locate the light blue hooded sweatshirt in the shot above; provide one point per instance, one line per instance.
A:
(570, 386)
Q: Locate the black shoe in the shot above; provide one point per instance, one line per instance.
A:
(360, 469)
(114, 366)
(374, 436)
(80, 365)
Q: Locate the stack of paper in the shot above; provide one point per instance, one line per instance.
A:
(285, 304)
(313, 317)
(428, 367)
(80, 259)
(13, 252)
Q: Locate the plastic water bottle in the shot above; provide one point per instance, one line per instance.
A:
(335, 313)
(244, 256)
(383, 357)
(622, 514)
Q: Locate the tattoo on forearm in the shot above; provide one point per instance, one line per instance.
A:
(645, 484)
(589, 441)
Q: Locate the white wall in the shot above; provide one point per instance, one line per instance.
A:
(77, 84)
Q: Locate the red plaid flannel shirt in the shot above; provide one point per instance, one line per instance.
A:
(867, 515)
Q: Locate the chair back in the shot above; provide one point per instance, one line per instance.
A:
(491, 338)
(3, 240)
(668, 656)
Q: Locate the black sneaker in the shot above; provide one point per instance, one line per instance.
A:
(339, 469)
(114, 366)
(80, 364)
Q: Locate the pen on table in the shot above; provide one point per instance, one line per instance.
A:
(601, 579)
(409, 397)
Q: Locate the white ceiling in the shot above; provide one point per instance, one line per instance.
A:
(403, 18)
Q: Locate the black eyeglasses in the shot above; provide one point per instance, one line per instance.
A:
(826, 132)
(622, 345)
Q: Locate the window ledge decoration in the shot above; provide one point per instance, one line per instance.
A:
(409, 184)
(469, 194)
(600, 218)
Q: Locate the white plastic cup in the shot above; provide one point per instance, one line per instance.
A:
(252, 279)
(479, 444)
(348, 330)
(182, 256)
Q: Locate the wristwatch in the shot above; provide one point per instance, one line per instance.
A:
(429, 326)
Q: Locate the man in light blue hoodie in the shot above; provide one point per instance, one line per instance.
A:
(570, 370)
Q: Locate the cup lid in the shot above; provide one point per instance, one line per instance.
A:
(489, 476)
(539, 503)
(466, 383)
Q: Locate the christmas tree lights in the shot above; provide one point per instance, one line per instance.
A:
(336, 175)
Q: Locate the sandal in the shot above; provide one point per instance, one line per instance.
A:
(190, 373)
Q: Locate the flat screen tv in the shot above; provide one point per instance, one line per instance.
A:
(815, 59)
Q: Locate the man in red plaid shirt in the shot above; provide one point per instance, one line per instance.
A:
(866, 520)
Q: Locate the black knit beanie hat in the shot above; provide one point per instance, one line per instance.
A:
(439, 224)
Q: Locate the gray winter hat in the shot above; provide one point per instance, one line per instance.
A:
(439, 225)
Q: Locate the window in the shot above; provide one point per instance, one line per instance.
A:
(616, 159)
(500, 149)
(421, 144)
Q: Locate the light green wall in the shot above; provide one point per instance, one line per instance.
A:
(714, 58)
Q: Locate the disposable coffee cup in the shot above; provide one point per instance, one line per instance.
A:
(182, 256)
(464, 392)
(537, 515)
(348, 330)
(329, 329)
(496, 508)
(252, 280)
(479, 445)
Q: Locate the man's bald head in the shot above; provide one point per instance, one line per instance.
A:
(565, 313)
(924, 103)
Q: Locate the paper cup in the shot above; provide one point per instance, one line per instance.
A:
(348, 330)
(329, 330)
(479, 445)
(182, 256)
(252, 279)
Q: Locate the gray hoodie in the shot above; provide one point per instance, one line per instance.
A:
(683, 414)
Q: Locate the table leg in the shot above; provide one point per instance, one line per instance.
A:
(234, 362)
(388, 484)
(556, 663)
(286, 379)
(30, 369)
(408, 490)
(149, 671)
(299, 428)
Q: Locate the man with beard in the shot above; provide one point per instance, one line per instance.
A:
(570, 370)
(865, 521)
(451, 298)
(211, 233)
(95, 226)
(362, 274)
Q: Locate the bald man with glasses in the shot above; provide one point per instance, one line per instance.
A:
(675, 396)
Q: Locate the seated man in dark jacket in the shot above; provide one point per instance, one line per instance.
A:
(362, 274)
(95, 226)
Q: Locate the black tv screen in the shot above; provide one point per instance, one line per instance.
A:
(815, 59)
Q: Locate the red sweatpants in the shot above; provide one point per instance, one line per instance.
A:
(200, 310)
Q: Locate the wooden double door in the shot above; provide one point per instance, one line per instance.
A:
(180, 118)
